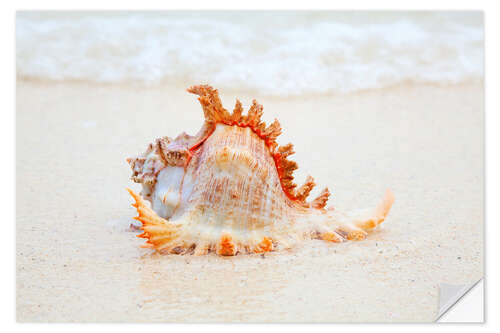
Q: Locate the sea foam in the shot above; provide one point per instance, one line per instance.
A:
(273, 53)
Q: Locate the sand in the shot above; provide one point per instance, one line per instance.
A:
(77, 261)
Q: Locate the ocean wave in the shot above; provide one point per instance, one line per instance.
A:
(273, 53)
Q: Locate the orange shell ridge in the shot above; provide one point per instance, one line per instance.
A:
(229, 189)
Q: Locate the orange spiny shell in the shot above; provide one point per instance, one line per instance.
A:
(229, 189)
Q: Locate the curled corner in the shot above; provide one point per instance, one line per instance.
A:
(450, 294)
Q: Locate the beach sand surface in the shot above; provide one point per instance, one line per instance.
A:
(78, 261)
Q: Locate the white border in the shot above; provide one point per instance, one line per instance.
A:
(492, 22)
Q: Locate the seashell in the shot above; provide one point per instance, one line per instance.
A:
(230, 189)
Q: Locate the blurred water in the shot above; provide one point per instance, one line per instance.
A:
(273, 53)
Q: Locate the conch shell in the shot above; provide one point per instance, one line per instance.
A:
(229, 189)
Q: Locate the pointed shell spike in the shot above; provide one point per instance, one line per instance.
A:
(303, 192)
(320, 201)
(254, 114)
(237, 112)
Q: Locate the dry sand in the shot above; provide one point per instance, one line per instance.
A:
(77, 261)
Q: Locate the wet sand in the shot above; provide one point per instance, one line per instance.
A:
(77, 260)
